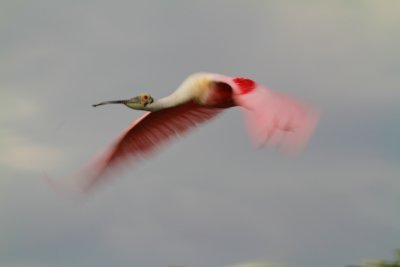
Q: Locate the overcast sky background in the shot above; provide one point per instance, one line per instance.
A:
(211, 199)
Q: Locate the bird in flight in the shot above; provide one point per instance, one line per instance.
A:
(271, 117)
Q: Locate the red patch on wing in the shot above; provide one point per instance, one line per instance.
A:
(245, 85)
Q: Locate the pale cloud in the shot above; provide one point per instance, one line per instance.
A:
(30, 157)
(17, 106)
(18, 150)
(22, 154)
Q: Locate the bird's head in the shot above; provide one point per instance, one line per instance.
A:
(138, 102)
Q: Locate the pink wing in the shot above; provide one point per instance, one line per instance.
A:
(145, 135)
(271, 117)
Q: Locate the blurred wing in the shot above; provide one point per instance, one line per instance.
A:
(274, 118)
(271, 117)
(145, 135)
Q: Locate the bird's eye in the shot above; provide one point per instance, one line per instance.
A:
(145, 97)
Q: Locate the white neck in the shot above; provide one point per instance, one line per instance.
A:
(186, 92)
(166, 102)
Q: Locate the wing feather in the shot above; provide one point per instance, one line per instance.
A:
(277, 119)
(145, 135)
(272, 117)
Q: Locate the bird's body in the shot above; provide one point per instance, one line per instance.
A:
(270, 116)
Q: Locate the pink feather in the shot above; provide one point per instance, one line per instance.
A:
(273, 118)
(145, 135)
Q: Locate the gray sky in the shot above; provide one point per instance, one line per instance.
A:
(210, 199)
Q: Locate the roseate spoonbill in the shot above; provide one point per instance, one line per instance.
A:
(270, 117)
